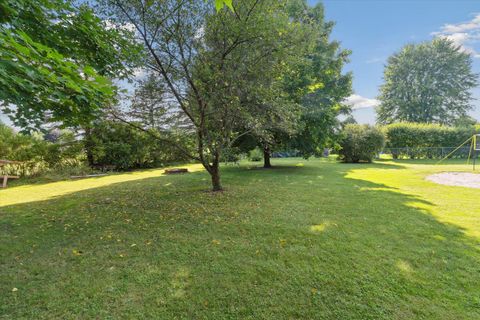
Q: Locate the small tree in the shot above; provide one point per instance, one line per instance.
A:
(211, 62)
(430, 82)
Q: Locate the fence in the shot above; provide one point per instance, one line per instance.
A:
(428, 152)
(286, 154)
(405, 153)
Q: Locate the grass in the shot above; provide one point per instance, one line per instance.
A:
(307, 240)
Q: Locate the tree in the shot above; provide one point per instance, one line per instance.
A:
(151, 105)
(465, 121)
(55, 62)
(211, 62)
(429, 82)
(315, 82)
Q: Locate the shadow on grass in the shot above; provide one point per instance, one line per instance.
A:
(290, 243)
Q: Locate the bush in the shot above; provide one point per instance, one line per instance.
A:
(255, 155)
(37, 155)
(420, 140)
(123, 147)
(360, 143)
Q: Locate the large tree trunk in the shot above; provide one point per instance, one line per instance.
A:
(89, 145)
(266, 157)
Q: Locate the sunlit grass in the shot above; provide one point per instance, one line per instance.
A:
(450, 204)
(23, 193)
(306, 240)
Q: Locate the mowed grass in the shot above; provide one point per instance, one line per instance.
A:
(307, 240)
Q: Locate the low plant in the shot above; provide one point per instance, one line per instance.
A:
(255, 155)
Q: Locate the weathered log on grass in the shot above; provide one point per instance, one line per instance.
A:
(175, 171)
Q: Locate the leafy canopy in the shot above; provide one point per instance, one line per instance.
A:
(56, 60)
(317, 82)
(429, 82)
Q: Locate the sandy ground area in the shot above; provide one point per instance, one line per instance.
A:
(459, 179)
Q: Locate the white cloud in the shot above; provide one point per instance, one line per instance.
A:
(462, 27)
(358, 102)
(464, 34)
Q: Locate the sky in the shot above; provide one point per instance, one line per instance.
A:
(375, 29)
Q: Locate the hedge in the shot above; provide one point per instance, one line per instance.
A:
(418, 140)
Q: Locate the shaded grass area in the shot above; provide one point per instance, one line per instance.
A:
(315, 240)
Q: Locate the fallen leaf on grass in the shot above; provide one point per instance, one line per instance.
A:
(77, 252)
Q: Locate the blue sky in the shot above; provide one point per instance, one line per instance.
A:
(375, 29)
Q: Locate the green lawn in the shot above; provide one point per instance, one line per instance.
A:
(307, 240)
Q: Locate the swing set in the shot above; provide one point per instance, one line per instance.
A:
(473, 151)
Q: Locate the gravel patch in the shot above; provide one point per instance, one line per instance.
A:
(458, 179)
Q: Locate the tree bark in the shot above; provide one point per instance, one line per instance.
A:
(215, 174)
(89, 146)
(266, 157)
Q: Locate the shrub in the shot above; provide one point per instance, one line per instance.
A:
(124, 147)
(38, 156)
(360, 143)
(255, 155)
(421, 140)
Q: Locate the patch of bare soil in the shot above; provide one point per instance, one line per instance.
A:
(459, 179)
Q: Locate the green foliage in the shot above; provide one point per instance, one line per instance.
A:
(430, 82)
(360, 143)
(219, 4)
(418, 138)
(317, 81)
(312, 86)
(465, 121)
(124, 147)
(255, 154)
(37, 155)
(55, 60)
(150, 105)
